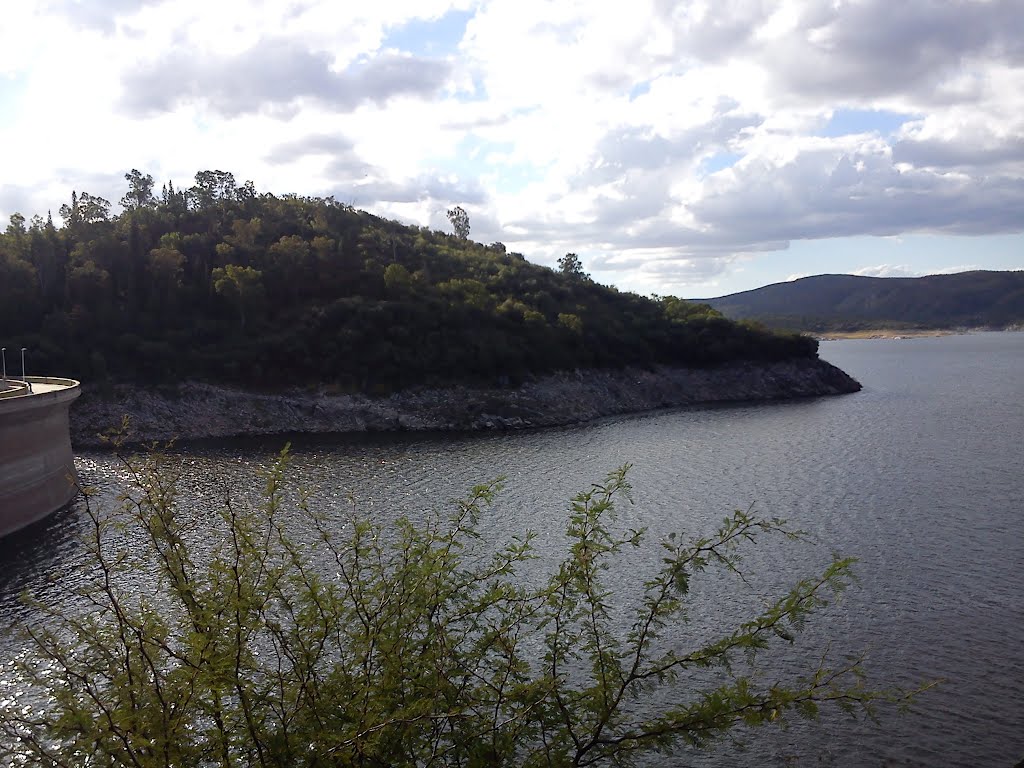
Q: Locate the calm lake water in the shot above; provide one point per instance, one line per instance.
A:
(920, 476)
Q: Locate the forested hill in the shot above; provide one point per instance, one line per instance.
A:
(849, 303)
(222, 283)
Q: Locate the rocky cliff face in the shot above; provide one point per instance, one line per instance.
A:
(195, 410)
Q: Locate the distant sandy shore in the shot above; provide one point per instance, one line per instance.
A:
(885, 333)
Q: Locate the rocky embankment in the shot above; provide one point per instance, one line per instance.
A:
(193, 410)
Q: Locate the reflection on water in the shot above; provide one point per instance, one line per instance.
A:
(919, 476)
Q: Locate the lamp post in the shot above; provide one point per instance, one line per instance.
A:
(3, 355)
(23, 369)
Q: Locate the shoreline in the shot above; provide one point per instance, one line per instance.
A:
(888, 333)
(194, 410)
(911, 333)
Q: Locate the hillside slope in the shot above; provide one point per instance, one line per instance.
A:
(220, 283)
(848, 302)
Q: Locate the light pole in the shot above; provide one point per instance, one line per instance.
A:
(23, 369)
(3, 355)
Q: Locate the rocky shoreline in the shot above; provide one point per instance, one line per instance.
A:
(195, 410)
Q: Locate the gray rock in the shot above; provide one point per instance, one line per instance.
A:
(195, 410)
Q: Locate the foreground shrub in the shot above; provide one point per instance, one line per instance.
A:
(406, 646)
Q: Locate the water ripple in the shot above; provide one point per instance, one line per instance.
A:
(919, 476)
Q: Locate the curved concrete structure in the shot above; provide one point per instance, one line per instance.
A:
(37, 468)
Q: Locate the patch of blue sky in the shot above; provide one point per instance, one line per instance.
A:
(639, 89)
(472, 153)
(919, 253)
(475, 158)
(849, 121)
(513, 179)
(430, 37)
(11, 90)
(479, 93)
(718, 162)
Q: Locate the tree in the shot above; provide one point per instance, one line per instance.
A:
(140, 191)
(397, 279)
(243, 286)
(93, 208)
(86, 208)
(245, 235)
(71, 214)
(415, 646)
(678, 310)
(164, 266)
(16, 229)
(88, 283)
(460, 222)
(213, 186)
(47, 257)
(571, 265)
(311, 254)
(18, 293)
(570, 322)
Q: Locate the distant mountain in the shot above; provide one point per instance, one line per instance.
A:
(849, 303)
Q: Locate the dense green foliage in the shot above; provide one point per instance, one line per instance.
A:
(412, 645)
(220, 282)
(851, 303)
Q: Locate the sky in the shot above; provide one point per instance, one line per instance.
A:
(687, 148)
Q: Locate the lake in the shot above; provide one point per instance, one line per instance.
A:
(920, 476)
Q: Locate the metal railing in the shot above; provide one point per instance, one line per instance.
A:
(24, 379)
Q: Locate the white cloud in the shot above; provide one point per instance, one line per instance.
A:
(889, 270)
(902, 270)
(666, 142)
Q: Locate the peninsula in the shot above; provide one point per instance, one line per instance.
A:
(220, 310)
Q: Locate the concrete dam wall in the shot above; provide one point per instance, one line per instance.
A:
(37, 467)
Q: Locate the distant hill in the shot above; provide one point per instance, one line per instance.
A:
(849, 303)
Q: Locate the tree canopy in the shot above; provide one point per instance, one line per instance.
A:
(571, 265)
(220, 282)
(413, 646)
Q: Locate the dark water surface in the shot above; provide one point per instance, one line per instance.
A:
(920, 476)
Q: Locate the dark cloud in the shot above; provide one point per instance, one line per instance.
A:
(643, 165)
(369, 188)
(857, 194)
(638, 148)
(275, 73)
(932, 52)
(856, 50)
(877, 48)
(963, 153)
(315, 144)
(724, 30)
(364, 184)
(822, 193)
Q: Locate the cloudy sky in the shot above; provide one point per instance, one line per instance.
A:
(695, 148)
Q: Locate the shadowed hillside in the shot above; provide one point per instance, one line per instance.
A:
(222, 283)
(848, 303)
